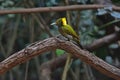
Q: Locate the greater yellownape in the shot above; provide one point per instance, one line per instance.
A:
(66, 30)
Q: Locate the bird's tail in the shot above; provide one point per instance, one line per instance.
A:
(78, 43)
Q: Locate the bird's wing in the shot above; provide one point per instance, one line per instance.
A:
(70, 31)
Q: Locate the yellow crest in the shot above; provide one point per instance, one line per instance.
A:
(64, 21)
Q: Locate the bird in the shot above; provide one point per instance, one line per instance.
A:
(67, 31)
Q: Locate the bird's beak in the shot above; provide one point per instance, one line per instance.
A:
(53, 23)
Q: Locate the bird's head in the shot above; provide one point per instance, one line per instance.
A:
(60, 22)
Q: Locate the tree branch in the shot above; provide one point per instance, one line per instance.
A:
(103, 41)
(49, 44)
(60, 61)
(59, 8)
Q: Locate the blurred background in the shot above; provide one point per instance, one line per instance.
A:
(19, 30)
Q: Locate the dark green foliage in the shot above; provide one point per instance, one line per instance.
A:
(19, 30)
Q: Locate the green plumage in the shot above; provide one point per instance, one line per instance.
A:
(67, 31)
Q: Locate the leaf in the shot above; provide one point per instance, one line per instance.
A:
(115, 14)
(105, 10)
(101, 12)
(114, 46)
(9, 2)
(59, 52)
(11, 15)
(109, 59)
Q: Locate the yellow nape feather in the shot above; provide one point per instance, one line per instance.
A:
(64, 21)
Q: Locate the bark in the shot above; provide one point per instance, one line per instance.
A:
(103, 41)
(49, 44)
(59, 8)
(60, 61)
